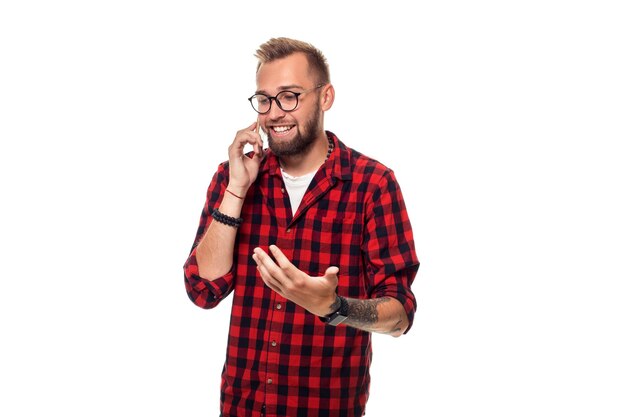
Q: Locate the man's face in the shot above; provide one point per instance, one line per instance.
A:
(290, 133)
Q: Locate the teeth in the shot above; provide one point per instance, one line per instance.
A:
(281, 129)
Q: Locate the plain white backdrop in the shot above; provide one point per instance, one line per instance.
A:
(505, 125)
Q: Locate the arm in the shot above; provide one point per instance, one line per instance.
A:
(389, 250)
(208, 276)
(214, 252)
(318, 295)
(204, 293)
(379, 315)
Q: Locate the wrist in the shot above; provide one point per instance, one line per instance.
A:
(237, 191)
(339, 314)
(333, 307)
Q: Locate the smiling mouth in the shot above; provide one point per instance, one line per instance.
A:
(281, 129)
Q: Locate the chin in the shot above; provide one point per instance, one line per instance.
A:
(290, 147)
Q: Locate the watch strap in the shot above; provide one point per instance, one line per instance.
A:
(340, 315)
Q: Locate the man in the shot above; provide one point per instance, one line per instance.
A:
(315, 241)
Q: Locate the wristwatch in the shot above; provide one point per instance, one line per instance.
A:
(340, 315)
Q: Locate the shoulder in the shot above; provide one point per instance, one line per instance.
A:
(365, 169)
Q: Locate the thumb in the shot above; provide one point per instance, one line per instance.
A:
(331, 272)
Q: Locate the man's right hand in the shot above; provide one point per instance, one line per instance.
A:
(244, 169)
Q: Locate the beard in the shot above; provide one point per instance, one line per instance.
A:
(302, 141)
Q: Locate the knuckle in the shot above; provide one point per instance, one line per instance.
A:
(274, 270)
(298, 282)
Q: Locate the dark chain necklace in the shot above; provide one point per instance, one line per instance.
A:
(331, 146)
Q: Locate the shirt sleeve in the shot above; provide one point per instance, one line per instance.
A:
(388, 244)
(202, 292)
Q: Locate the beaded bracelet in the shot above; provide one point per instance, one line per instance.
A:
(225, 219)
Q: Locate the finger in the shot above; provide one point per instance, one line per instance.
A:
(246, 133)
(265, 260)
(258, 148)
(274, 288)
(280, 257)
(266, 276)
(258, 152)
(331, 275)
(256, 137)
(243, 138)
(247, 136)
(331, 270)
(260, 256)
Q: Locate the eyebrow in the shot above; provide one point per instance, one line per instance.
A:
(281, 88)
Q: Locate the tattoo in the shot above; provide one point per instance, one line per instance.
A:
(335, 305)
(364, 313)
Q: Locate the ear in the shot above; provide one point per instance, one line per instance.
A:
(327, 97)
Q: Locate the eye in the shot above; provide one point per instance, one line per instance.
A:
(262, 99)
(287, 96)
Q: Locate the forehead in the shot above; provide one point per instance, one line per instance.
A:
(291, 70)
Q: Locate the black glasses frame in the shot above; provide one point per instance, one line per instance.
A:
(275, 98)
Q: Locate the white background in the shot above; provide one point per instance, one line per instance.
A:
(504, 122)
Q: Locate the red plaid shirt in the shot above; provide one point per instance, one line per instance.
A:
(282, 360)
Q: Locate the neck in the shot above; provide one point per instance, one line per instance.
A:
(309, 161)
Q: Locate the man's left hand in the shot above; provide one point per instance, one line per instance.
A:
(315, 294)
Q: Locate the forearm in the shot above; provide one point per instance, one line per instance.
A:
(380, 315)
(215, 251)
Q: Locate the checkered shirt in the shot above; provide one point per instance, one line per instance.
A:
(282, 360)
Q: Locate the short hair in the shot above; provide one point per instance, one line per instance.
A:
(277, 48)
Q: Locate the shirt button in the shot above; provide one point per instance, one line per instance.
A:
(288, 230)
(269, 380)
(274, 343)
(279, 306)
(282, 190)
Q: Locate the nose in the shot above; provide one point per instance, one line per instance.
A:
(275, 111)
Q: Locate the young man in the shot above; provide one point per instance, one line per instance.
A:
(314, 240)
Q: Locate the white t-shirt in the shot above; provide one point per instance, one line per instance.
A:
(296, 187)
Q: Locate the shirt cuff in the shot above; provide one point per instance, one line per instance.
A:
(203, 292)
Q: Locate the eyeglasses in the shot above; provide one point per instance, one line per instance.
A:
(287, 100)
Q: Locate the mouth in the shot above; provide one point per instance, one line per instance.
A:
(281, 130)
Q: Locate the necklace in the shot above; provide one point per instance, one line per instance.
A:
(331, 146)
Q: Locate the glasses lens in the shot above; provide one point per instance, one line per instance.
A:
(288, 100)
(260, 103)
